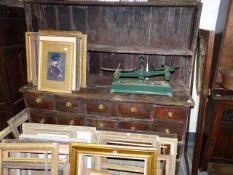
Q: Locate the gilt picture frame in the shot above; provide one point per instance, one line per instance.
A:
(78, 150)
(96, 172)
(32, 45)
(56, 57)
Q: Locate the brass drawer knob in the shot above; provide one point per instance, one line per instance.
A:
(133, 110)
(101, 107)
(42, 120)
(101, 124)
(170, 115)
(38, 100)
(167, 130)
(132, 128)
(71, 122)
(68, 104)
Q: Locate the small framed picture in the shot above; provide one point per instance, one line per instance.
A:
(56, 58)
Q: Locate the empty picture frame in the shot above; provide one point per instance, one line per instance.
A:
(54, 132)
(78, 150)
(17, 121)
(142, 140)
(6, 148)
(95, 172)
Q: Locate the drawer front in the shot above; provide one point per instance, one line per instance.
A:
(171, 113)
(70, 105)
(135, 110)
(138, 126)
(101, 122)
(41, 116)
(100, 108)
(42, 101)
(70, 119)
(168, 127)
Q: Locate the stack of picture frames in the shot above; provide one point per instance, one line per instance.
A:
(93, 152)
(56, 60)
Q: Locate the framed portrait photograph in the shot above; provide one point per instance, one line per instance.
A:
(56, 59)
(81, 49)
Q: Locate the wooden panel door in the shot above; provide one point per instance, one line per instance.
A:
(208, 37)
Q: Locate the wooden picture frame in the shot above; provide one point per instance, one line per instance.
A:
(81, 51)
(168, 163)
(63, 132)
(142, 140)
(14, 123)
(171, 145)
(5, 148)
(32, 45)
(17, 121)
(56, 63)
(77, 150)
(96, 172)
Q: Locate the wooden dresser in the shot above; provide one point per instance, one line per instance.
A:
(12, 61)
(119, 32)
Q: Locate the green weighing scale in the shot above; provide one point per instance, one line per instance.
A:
(131, 81)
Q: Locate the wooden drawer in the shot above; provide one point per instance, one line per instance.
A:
(101, 122)
(70, 119)
(168, 127)
(42, 101)
(135, 110)
(70, 105)
(101, 108)
(41, 116)
(171, 113)
(139, 126)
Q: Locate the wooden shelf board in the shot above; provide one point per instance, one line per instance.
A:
(139, 50)
(120, 3)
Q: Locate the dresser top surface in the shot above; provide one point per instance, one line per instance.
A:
(180, 97)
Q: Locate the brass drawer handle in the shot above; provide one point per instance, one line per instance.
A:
(42, 120)
(38, 100)
(68, 104)
(71, 122)
(167, 130)
(170, 115)
(133, 110)
(101, 107)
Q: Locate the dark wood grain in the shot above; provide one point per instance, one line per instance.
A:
(219, 168)
(42, 101)
(100, 108)
(70, 119)
(101, 122)
(135, 110)
(171, 113)
(70, 105)
(12, 61)
(42, 116)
